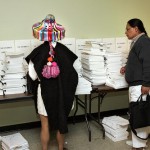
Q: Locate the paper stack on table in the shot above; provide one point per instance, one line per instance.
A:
(2, 64)
(84, 86)
(13, 80)
(114, 62)
(14, 142)
(92, 59)
(2, 70)
(116, 128)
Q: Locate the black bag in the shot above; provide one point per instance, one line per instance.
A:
(139, 114)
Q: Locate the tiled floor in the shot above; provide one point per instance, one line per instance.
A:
(77, 139)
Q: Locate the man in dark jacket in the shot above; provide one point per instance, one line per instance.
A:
(137, 72)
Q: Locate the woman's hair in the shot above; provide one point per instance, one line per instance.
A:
(137, 23)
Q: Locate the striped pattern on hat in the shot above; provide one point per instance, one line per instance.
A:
(48, 30)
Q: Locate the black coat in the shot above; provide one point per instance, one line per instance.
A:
(138, 64)
(57, 93)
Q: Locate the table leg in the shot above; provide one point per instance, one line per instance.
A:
(76, 109)
(100, 98)
(84, 106)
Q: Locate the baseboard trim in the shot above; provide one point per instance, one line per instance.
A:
(22, 126)
(71, 119)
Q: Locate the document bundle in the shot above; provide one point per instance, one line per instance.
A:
(12, 80)
(116, 128)
(14, 142)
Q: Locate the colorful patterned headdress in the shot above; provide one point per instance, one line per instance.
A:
(48, 30)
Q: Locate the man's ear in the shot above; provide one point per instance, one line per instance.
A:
(136, 29)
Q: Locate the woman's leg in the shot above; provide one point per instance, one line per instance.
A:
(45, 135)
(60, 140)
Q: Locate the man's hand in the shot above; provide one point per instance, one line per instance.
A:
(145, 90)
(122, 70)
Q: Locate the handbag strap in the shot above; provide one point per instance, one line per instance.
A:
(134, 131)
(140, 98)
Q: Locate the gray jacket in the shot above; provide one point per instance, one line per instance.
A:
(138, 64)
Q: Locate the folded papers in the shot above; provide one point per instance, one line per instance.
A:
(9, 83)
(114, 62)
(116, 139)
(93, 68)
(116, 128)
(13, 74)
(116, 83)
(14, 142)
(83, 87)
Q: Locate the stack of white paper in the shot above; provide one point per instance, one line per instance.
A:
(2, 68)
(94, 71)
(1, 92)
(13, 80)
(117, 82)
(116, 128)
(80, 44)
(14, 142)
(2, 56)
(83, 87)
(94, 48)
(114, 62)
(13, 75)
(14, 90)
(9, 83)
(92, 59)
